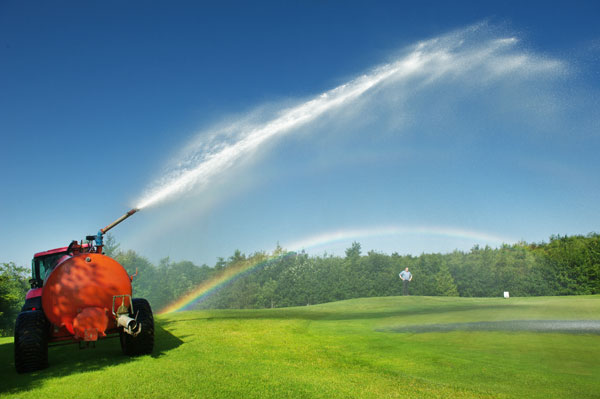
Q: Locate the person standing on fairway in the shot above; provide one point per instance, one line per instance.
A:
(406, 277)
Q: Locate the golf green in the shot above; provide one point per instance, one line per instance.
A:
(392, 347)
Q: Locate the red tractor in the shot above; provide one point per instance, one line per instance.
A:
(80, 295)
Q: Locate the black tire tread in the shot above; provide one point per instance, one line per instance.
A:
(31, 341)
(143, 343)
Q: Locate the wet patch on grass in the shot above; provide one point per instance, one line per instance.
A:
(547, 326)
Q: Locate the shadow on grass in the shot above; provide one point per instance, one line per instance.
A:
(69, 359)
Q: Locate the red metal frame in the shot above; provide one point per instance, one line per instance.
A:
(64, 335)
(55, 251)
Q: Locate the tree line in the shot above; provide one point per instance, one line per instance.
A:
(566, 265)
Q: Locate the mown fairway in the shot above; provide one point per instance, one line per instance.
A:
(340, 350)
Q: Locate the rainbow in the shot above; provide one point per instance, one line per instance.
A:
(243, 268)
(382, 231)
(225, 277)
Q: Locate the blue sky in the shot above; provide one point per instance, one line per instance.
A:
(99, 101)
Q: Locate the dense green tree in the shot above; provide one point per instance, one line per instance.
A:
(574, 263)
(13, 287)
(353, 251)
(444, 282)
(144, 274)
(267, 297)
(111, 246)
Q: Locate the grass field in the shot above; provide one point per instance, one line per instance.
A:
(347, 349)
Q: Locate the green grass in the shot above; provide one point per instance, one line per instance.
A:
(336, 350)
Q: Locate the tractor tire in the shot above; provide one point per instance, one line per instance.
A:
(31, 341)
(143, 343)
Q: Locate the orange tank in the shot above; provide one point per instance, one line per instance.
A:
(79, 293)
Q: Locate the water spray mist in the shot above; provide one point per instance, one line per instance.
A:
(451, 55)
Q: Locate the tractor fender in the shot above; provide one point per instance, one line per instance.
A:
(33, 300)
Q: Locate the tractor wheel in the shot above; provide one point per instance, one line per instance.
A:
(31, 341)
(143, 343)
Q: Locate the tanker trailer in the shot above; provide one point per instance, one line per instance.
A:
(80, 295)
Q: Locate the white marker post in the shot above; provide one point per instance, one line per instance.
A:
(506, 295)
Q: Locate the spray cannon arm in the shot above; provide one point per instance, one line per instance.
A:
(103, 231)
(119, 220)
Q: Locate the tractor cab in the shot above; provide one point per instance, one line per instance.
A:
(43, 263)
